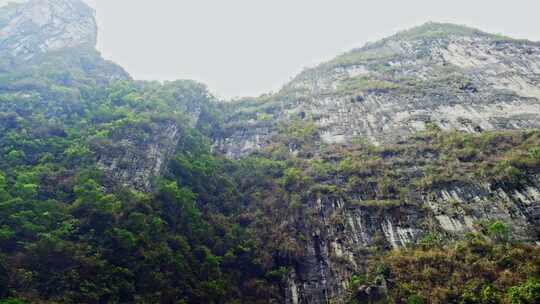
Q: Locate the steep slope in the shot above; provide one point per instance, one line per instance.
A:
(452, 76)
(114, 191)
(434, 78)
(38, 26)
(350, 204)
(89, 212)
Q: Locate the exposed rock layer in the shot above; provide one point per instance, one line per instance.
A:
(449, 76)
(40, 26)
(346, 235)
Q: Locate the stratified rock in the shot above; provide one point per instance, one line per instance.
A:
(434, 76)
(450, 76)
(135, 162)
(339, 245)
(38, 26)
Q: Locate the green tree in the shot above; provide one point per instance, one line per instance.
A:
(3, 185)
(415, 299)
(499, 231)
(534, 152)
(12, 301)
(527, 293)
(179, 209)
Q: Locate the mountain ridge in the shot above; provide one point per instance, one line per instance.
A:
(484, 68)
(408, 172)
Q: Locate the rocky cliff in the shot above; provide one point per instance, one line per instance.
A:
(347, 229)
(137, 155)
(433, 77)
(431, 133)
(451, 76)
(349, 235)
(33, 27)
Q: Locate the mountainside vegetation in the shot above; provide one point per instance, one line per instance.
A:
(114, 190)
(478, 270)
(212, 229)
(68, 235)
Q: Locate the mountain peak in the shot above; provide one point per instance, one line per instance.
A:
(31, 27)
(440, 30)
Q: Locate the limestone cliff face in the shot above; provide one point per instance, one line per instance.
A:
(135, 161)
(135, 156)
(345, 235)
(38, 26)
(447, 75)
(436, 75)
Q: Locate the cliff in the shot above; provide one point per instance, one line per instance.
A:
(452, 76)
(434, 77)
(121, 191)
(35, 27)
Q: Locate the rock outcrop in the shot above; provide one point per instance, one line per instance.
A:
(34, 27)
(136, 155)
(437, 74)
(135, 161)
(345, 234)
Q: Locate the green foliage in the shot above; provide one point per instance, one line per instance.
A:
(298, 134)
(278, 275)
(12, 301)
(432, 127)
(358, 56)
(430, 241)
(534, 152)
(69, 234)
(415, 299)
(499, 231)
(361, 84)
(526, 293)
(292, 178)
(433, 30)
(473, 271)
(356, 281)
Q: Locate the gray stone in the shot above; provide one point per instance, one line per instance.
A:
(344, 236)
(38, 26)
(465, 80)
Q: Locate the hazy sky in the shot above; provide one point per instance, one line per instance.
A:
(249, 47)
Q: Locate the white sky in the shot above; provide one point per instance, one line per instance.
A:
(250, 47)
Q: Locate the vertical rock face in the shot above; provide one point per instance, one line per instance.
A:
(136, 154)
(451, 76)
(136, 161)
(39, 26)
(437, 75)
(345, 234)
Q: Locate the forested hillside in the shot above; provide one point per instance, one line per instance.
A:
(114, 190)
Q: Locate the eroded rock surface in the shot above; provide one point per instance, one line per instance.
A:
(437, 74)
(136, 161)
(34, 27)
(345, 234)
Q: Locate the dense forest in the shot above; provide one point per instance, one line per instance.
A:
(68, 234)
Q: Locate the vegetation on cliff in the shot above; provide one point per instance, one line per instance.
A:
(477, 270)
(210, 229)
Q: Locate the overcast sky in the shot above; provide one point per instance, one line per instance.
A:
(250, 47)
